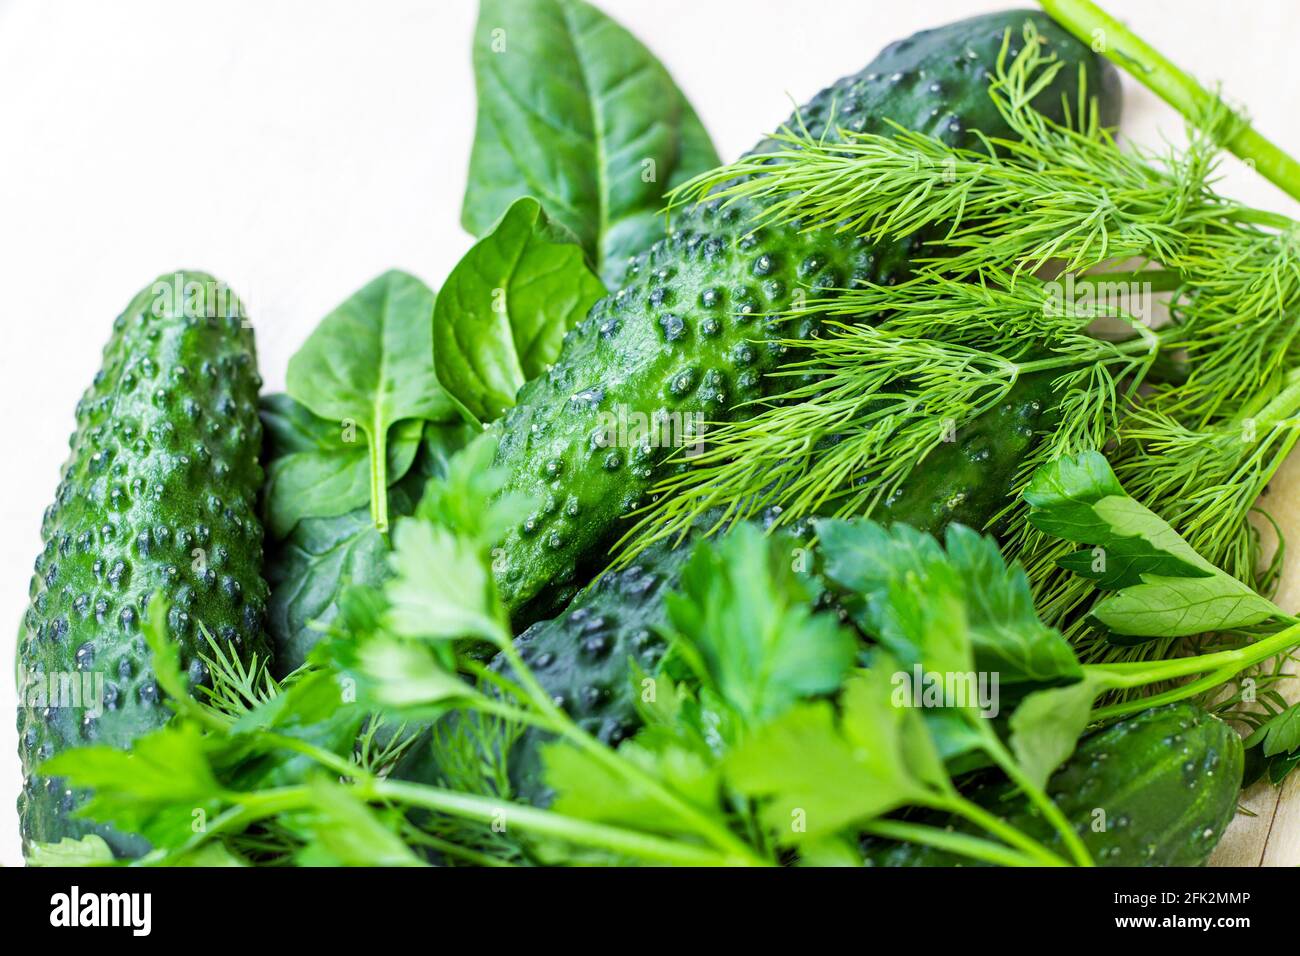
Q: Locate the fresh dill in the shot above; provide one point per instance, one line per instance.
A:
(1198, 410)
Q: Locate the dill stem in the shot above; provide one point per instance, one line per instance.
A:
(1097, 28)
(960, 843)
(1159, 280)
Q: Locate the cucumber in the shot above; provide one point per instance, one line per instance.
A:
(967, 481)
(1156, 789)
(685, 335)
(583, 658)
(159, 494)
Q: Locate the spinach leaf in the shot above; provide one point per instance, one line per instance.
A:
(503, 311)
(309, 570)
(574, 110)
(1163, 588)
(370, 364)
(314, 471)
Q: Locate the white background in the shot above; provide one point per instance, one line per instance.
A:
(297, 149)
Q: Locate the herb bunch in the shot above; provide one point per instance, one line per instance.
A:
(1198, 413)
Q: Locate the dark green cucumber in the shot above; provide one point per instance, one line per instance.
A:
(967, 481)
(1156, 789)
(159, 494)
(686, 334)
(583, 658)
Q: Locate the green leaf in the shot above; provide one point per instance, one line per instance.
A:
(951, 609)
(1007, 636)
(503, 312)
(1046, 726)
(743, 620)
(1178, 607)
(321, 557)
(1165, 589)
(308, 572)
(344, 831)
(440, 589)
(1279, 734)
(587, 788)
(573, 110)
(207, 856)
(165, 653)
(324, 475)
(406, 674)
(370, 363)
(818, 775)
(90, 850)
(468, 499)
(152, 789)
(1079, 499)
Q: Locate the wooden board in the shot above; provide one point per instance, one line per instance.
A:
(1267, 831)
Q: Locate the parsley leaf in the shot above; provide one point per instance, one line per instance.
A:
(954, 608)
(742, 621)
(819, 773)
(1163, 587)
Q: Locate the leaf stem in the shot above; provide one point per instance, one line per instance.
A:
(548, 823)
(378, 473)
(1140, 673)
(563, 726)
(1097, 28)
(1005, 831)
(1190, 689)
(960, 843)
(1003, 758)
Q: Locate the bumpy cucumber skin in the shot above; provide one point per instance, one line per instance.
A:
(690, 333)
(1166, 779)
(583, 658)
(158, 494)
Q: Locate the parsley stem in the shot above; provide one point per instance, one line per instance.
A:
(548, 823)
(1006, 832)
(1097, 28)
(960, 843)
(564, 726)
(1002, 757)
(1140, 673)
(1190, 689)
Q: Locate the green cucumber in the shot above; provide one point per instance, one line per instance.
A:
(686, 335)
(159, 494)
(583, 658)
(1155, 789)
(967, 481)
